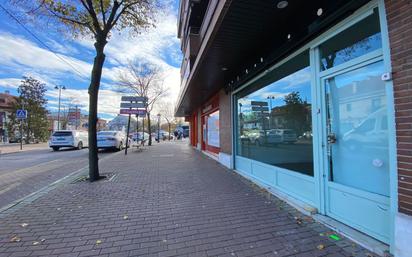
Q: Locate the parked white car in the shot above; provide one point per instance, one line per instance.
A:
(111, 140)
(68, 138)
(287, 135)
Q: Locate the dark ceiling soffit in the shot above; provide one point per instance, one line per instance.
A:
(315, 29)
(179, 112)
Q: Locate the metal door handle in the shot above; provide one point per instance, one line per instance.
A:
(332, 138)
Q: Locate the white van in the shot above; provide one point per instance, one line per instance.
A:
(69, 138)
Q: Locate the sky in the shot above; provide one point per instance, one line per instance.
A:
(23, 55)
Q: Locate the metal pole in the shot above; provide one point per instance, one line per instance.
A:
(128, 130)
(158, 128)
(76, 117)
(137, 123)
(21, 134)
(143, 130)
(127, 135)
(21, 130)
(58, 112)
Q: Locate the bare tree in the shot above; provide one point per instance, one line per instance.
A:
(92, 19)
(144, 80)
(167, 113)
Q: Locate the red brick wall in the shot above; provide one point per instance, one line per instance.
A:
(225, 123)
(399, 17)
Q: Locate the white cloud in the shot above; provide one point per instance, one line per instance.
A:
(25, 55)
(10, 83)
(159, 46)
(109, 101)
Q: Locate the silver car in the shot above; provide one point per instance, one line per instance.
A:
(111, 140)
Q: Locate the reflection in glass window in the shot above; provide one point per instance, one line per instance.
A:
(274, 122)
(361, 134)
(362, 38)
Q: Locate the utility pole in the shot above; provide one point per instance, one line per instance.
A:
(76, 118)
(60, 87)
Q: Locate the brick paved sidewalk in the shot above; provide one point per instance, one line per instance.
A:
(168, 200)
(14, 148)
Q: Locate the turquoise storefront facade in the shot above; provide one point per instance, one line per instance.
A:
(346, 113)
(315, 105)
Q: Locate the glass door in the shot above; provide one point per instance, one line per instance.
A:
(357, 156)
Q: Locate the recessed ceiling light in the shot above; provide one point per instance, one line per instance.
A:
(224, 69)
(289, 36)
(319, 12)
(282, 4)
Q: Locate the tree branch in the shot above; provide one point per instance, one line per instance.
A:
(103, 13)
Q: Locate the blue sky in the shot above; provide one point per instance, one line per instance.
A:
(22, 55)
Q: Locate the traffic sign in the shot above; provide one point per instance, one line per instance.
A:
(132, 111)
(259, 103)
(132, 105)
(260, 109)
(134, 99)
(21, 114)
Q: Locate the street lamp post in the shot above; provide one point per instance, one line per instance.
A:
(158, 127)
(60, 88)
(270, 110)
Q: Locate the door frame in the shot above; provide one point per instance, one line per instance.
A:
(381, 201)
(318, 123)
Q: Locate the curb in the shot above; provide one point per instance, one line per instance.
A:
(17, 204)
(20, 151)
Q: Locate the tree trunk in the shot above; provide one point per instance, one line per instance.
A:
(149, 125)
(93, 98)
(168, 123)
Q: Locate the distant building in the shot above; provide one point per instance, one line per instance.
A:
(6, 108)
(101, 124)
(119, 123)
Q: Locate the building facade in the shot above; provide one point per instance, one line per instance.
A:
(6, 107)
(311, 100)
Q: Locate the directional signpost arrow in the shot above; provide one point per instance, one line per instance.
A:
(132, 105)
(131, 111)
(134, 99)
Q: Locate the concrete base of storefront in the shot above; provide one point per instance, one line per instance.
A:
(364, 240)
(403, 235)
(225, 160)
(360, 238)
(211, 155)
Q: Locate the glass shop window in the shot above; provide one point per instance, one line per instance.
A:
(274, 122)
(362, 38)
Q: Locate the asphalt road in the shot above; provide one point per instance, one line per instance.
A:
(26, 172)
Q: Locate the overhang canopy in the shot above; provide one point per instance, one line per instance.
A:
(253, 35)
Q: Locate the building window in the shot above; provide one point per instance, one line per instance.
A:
(274, 124)
(362, 38)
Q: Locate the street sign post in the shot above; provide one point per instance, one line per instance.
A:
(135, 105)
(21, 114)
